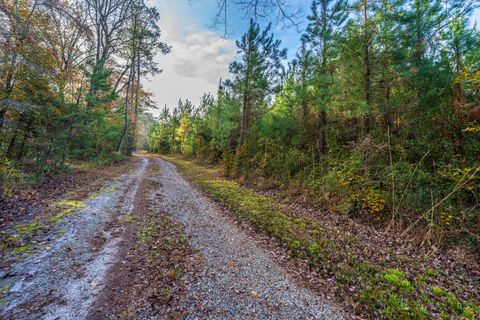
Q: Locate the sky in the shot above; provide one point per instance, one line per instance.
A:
(200, 53)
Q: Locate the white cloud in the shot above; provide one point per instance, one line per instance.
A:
(199, 58)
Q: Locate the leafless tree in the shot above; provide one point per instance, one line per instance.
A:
(69, 37)
(109, 19)
(285, 13)
(14, 29)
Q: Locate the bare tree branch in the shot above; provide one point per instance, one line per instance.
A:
(287, 15)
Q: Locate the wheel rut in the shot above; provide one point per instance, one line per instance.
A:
(75, 273)
(239, 279)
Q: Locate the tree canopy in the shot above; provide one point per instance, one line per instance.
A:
(70, 78)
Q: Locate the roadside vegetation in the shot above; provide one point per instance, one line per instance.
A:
(70, 85)
(374, 276)
(40, 209)
(374, 125)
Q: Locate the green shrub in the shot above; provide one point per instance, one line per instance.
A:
(11, 179)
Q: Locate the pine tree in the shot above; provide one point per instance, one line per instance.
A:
(256, 74)
(325, 22)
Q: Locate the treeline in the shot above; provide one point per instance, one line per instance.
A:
(70, 80)
(376, 117)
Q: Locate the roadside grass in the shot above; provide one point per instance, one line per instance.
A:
(371, 290)
(21, 238)
(19, 230)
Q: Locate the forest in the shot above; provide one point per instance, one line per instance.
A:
(376, 117)
(70, 77)
(339, 179)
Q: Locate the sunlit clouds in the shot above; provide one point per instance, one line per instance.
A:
(199, 58)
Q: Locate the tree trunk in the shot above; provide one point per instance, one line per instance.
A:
(304, 93)
(458, 104)
(8, 88)
(323, 148)
(12, 145)
(137, 95)
(13, 141)
(385, 84)
(246, 104)
(131, 80)
(28, 128)
(322, 142)
(367, 71)
(125, 127)
(244, 120)
(137, 91)
(2, 116)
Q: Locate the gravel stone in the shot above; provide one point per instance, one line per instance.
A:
(60, 279)
(240, 280)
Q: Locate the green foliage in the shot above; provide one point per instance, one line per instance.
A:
(10, 178)
(374, 118)
(22, 236)
(396, 278)
(62, 101)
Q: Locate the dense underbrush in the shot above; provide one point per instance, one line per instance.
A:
(437, 203)
(17, 177)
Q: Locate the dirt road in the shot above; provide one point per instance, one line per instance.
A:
(67, 272)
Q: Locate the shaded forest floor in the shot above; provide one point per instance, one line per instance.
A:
(372, 273)
(36, 201)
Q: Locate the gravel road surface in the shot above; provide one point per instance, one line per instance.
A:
(60, 279)
(238, 279)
